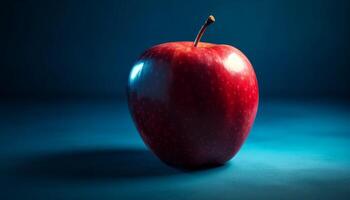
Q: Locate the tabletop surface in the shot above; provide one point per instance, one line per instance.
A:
(91, 150)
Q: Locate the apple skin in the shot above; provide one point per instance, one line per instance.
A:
(193, 106)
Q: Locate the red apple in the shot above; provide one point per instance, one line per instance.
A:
(193, 103)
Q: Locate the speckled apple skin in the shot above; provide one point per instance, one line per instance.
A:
(193, 106)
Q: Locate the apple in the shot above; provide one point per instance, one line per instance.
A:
(193, 103)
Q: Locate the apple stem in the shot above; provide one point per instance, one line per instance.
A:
(210, 20)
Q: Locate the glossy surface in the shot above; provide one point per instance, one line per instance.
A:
(193, 106)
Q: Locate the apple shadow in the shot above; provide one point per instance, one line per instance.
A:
(107, 164)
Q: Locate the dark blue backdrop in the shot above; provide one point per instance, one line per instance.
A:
(86, 48)
(83, 50)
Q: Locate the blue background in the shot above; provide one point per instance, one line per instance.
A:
(86, 48)
(65, 129)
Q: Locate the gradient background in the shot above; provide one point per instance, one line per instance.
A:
(65, 129)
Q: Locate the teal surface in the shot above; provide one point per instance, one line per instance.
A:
(91, 150)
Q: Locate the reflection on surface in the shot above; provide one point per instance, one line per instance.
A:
(234, 63)
(136, 71)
